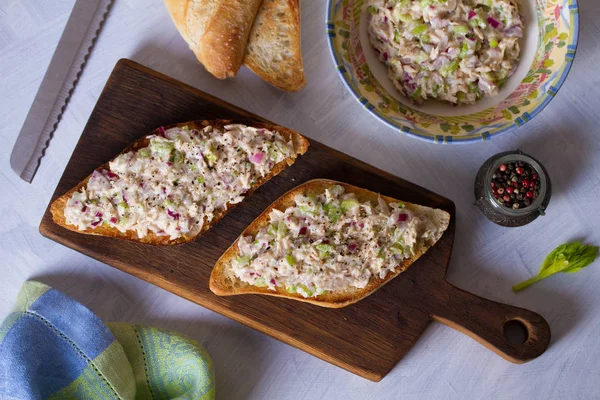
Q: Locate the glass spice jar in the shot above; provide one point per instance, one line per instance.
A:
(494, 210)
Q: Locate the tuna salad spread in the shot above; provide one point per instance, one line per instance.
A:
(175, 185)
(451, 50)
(329, 242)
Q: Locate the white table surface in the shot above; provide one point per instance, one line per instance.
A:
(487, 259)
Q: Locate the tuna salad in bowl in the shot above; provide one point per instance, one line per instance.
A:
(452, 50)
(453, 71)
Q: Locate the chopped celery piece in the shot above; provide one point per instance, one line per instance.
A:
(161, 147)
(397, 249)
(272, 230)
(200, 180)
(460, 29)
(372, 9)
(242, 261)
(416, 94)
(290, 260)
(282, 228)
(425, 3)
(397, 35)
(450, 68)
(169, 203)
(306, 290)
(307, 209)
(122, 208)
(260, 282)
(494, 42)
(324, 249)
(461, 96)
(177, 157)
(419, 30)
(332, 212)
(464, 50)
(406, 18)
(210, 155)
(349, 204)
(145, 152)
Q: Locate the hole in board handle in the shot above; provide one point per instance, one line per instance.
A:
(515, 332)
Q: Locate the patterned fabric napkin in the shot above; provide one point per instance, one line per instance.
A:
(52, 347)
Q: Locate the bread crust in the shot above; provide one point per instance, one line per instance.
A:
(224, 283)
(216, 30)
(277, 21)
(57, 207)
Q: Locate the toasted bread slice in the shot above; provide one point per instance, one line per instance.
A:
(216, 30)
(274, 51)
(58, 206)
(223, 282)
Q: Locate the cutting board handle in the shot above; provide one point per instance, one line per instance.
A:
(485, 321)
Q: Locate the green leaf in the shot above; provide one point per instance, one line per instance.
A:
(568, 257)
(561, 44)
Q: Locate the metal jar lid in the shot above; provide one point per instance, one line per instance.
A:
(498, 213)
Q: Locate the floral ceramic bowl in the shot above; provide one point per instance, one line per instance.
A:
(547, 51)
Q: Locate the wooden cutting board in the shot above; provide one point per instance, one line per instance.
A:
(367, 338)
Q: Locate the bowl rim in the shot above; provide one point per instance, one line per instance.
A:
(423, 135)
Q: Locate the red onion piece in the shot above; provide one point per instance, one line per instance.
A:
(302, 231)
(351, 246)
(111, 174)
(472, 14)
(113, 220)
(495, 23)
(257, 158)
(173, 214)
(402, 217)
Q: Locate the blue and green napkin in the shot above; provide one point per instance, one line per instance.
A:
(52, 347)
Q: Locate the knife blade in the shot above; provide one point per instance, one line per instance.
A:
(65, 68)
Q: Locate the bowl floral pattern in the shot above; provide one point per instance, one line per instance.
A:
(558, 24)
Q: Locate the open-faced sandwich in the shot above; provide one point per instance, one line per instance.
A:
(174, 184)
(327, 243)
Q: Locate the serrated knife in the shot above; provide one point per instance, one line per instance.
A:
(68, 61)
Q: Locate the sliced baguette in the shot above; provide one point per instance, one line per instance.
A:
(223, 282)
(274, 51)
(216, 31)
(57, 208)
